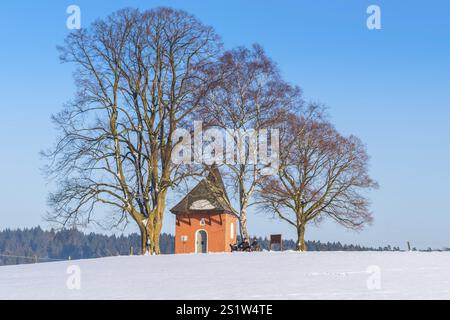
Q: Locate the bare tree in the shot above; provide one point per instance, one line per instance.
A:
(139, 76)
(322, 174)
(250, 97)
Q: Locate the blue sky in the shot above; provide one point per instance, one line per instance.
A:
(390, 87)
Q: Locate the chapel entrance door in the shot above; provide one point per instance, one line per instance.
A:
(202, 242)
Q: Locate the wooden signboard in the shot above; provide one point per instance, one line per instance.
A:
(276, 241)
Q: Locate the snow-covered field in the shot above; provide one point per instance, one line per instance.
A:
(267, 275)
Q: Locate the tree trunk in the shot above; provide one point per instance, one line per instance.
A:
(150, 239)
(243, 225)
(154, 225)
(243, 200)
(154, 241)
(144, 238)
(301, 245)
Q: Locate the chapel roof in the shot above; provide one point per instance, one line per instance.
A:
(208, 195)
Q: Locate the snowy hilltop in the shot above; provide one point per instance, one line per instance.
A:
(265, 275)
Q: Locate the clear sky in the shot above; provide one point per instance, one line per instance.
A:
(390, 87)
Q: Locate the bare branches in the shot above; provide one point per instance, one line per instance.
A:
(322, 174)
(248, 97)
(139, 74)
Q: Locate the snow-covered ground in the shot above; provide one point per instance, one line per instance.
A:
(267, 275)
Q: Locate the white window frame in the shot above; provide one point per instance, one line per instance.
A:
(232, 231)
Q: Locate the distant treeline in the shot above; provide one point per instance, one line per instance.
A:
(36, 245)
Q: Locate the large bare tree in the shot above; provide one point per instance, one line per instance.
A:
(322, 174)
(139, 75)
(250, 97)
